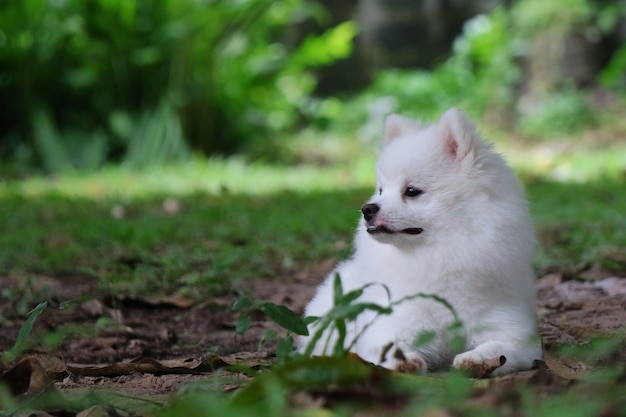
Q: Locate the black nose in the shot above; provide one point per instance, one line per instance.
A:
(369, 210)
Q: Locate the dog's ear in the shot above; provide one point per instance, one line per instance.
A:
(396, 126)
(458, 134)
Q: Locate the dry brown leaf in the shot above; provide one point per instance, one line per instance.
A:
(152, 366)
(142, 365)
(230, 387)
(54, 367)
(566, 368)
(255, 360)
(27, 377)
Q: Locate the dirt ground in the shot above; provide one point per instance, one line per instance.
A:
(151, 347)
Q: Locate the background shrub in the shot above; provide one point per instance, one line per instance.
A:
(86, 81)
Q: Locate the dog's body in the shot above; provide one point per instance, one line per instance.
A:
(448, 218)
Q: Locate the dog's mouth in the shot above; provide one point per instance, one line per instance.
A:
(372, 230)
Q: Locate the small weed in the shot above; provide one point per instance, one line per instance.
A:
(26, 340)
(280, 315)
(331, 329)
(22, 342)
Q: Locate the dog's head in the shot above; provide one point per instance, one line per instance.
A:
(431, 180)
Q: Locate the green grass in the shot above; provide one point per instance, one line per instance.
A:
(212, 241)
(219, 222)
(214, 176)
(580, 225)
(211, 225)
(214, 224)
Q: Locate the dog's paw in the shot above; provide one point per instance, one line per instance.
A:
(476, 364)
(408, 362)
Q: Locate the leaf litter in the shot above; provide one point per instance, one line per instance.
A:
(149, 349)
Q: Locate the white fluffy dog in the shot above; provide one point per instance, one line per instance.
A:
(448, 218)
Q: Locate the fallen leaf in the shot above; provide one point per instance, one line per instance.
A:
(566, 368)
(142, 365)
(28, 377)
(230, 387)
(154, 367)
(54, 367)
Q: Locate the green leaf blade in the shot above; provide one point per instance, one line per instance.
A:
(285, 318)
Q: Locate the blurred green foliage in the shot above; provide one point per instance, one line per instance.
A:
(86, 81)
(488, 75)
(535, 16)
(479, 74)
(558, 113)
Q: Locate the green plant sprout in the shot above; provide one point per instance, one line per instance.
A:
(21, 343)
(279, 314)
(333, 325)
(25, 341)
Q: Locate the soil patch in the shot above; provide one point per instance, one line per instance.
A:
(108, 331)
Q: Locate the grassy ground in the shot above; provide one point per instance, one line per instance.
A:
(273, 215)
(249, 220)
(207, 227)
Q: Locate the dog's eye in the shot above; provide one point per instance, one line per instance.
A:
(412, 192)
(380, 190)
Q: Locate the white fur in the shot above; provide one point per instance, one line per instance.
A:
(474, 251)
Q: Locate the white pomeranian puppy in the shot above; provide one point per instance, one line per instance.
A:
(448, 219)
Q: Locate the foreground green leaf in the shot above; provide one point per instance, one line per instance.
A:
(20, 343)
(286, 318)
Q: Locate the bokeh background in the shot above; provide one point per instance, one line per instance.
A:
(90, 83)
